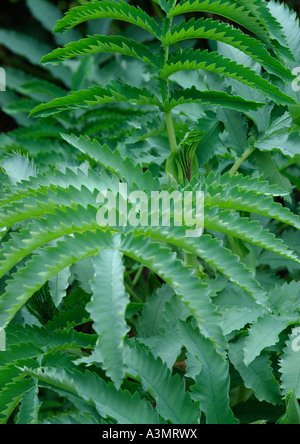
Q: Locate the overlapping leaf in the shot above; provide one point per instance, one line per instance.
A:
(107, 9)
(214, 30)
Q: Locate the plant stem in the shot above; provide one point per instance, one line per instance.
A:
(137, 276)
(168, 114)
(132, 293)
(190, 260)
(241, 160)
(171, 132)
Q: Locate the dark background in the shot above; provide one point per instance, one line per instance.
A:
(16, 16)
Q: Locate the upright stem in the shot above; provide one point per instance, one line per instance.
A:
(132, 293)
(171, 131)
(190, 260)
(137, 276)
(168, 114)
(241, 160)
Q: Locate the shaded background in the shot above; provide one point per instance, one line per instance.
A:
(15, 15)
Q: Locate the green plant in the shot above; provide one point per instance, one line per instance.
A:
(203, 326)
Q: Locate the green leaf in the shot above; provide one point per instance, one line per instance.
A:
(84, 273)
(284, 299)
(229, 10)
(252, 202)
(235, 318)
(289, 365)
(30, 406)
(212, 382)
(280, 137)
(214, 30)
(258, 375)
(113, 162)
(267, 166)
(98, 44)
(235, 134)
(107, 9)
(153, 312)
(39, 233)
(212, 251)
(192, 95)
(289, 22)
(166, 345)
(58, 286)
(247, 183)
(193, 293)
(75, 418)
(30, 342)
(109, 402)
(116, 92)
(292, 415)
(259, 8)
(250, 231)
(18, 168)
(168, 391)
(41, 305)
(215, 62)
(262, 334)
(76, 178)
(11, 395)
(107, 309)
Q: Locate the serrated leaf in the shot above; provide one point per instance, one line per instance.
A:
(153, 312)
(213, 61)
(116, 92)
(289, 365)
(107, 309)
(102, 44)
(193, 95)
(193, 293)
(107, 9)
(262, 334)
(292, 415)
(172, 401)
(212, 29)
(258, 375)
(58, 286)
(212, 382)
(230, 10)
(18, 168)
(30, 405)
(11, 395)
(109, 402)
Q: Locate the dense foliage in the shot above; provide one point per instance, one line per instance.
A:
(143, 324)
